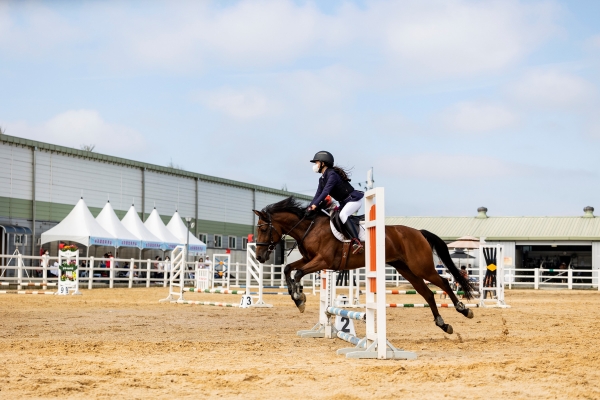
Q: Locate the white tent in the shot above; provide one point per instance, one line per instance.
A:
(109, 221)
(80, 226)
(180, 231)
(158, 228)
(132, 222)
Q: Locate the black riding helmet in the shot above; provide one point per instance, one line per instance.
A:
(325, 157)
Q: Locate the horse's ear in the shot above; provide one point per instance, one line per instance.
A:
(260, 215)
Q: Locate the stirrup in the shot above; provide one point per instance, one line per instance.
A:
(357, 247)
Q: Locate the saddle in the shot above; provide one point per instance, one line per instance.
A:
(338, 229)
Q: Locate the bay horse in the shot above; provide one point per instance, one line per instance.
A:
(408, 250)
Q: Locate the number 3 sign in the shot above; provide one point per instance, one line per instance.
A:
(246, 301)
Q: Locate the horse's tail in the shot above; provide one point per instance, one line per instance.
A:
(441, 249)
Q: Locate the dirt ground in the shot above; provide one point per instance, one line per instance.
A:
(122, 343)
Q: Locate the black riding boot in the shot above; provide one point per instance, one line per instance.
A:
(357, 247)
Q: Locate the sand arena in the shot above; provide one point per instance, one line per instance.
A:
(122, 343)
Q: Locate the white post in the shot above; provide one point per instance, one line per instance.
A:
(254, 269)
(111, 275)
(131, 272)
(536, 278)
(45, 264)
(237, 274)
(91, 273)
(19, 271)
(570, 279)
(148, 269)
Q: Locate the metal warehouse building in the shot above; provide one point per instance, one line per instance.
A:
(40, 183)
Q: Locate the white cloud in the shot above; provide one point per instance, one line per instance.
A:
(432, 38)
(455, 37)
(77, 127)
(461, 168)
(552, 90)
(239, 104)
(470, 117)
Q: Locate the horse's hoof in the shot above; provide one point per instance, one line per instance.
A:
(448, 329)
(470, 314)
(301, 303)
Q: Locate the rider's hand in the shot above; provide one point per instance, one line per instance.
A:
(312, 207)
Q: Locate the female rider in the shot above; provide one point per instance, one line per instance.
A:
(334, 181)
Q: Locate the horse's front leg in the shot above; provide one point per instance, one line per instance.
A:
(288, 274)
(299, 298)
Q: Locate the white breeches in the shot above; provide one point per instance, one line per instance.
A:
(349, 209)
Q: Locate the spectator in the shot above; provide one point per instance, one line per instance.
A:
(155, 266)
(167, 267)
(440, 267)
(54, 270)
(160, 267)
(83, 273)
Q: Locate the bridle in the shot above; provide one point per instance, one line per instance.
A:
(272, 243)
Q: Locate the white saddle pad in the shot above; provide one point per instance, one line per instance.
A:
(342, 238)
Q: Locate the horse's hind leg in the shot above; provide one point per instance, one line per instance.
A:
(421, 287)
(443, 284)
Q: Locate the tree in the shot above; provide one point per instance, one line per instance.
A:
(171, 164)
(87, 147)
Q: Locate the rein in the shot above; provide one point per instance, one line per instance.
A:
(272, 243)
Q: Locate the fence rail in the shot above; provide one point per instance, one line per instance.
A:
(145, 273)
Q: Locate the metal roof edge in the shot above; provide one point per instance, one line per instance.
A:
(152, 167)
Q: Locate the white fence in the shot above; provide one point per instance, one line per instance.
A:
(94, 274)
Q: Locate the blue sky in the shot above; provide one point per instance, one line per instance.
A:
(456, 104)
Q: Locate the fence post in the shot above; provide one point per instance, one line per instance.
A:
(237, 274)
(536, 278)
(91, 273)
(131, 272)
(19, 271)
(111, 275)
(570, 279)
(148, 272)
(45, 263)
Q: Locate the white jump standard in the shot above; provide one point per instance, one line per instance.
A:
(202, 277)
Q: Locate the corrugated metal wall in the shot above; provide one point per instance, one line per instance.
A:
(61, 179)
(16, 172)
(169, 193)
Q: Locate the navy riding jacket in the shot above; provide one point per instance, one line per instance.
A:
(331, 183)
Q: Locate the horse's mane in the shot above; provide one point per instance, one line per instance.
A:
(290, 205)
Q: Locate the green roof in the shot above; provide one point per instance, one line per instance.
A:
(506, 228)
(137, 164)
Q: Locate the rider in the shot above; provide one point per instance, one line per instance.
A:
(335, 182)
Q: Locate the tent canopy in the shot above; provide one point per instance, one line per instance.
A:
(109, 221)
(132, 222)
(80, 226)
(158, 228)
(180, 231)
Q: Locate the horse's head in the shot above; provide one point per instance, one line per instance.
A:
(274, 221)
(268, 233)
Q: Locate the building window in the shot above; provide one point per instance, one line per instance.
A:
(218, 241)
(20, 240)
(203, 237)
(232, 242)
(244, 243)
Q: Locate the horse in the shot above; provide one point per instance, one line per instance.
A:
(408, 250)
